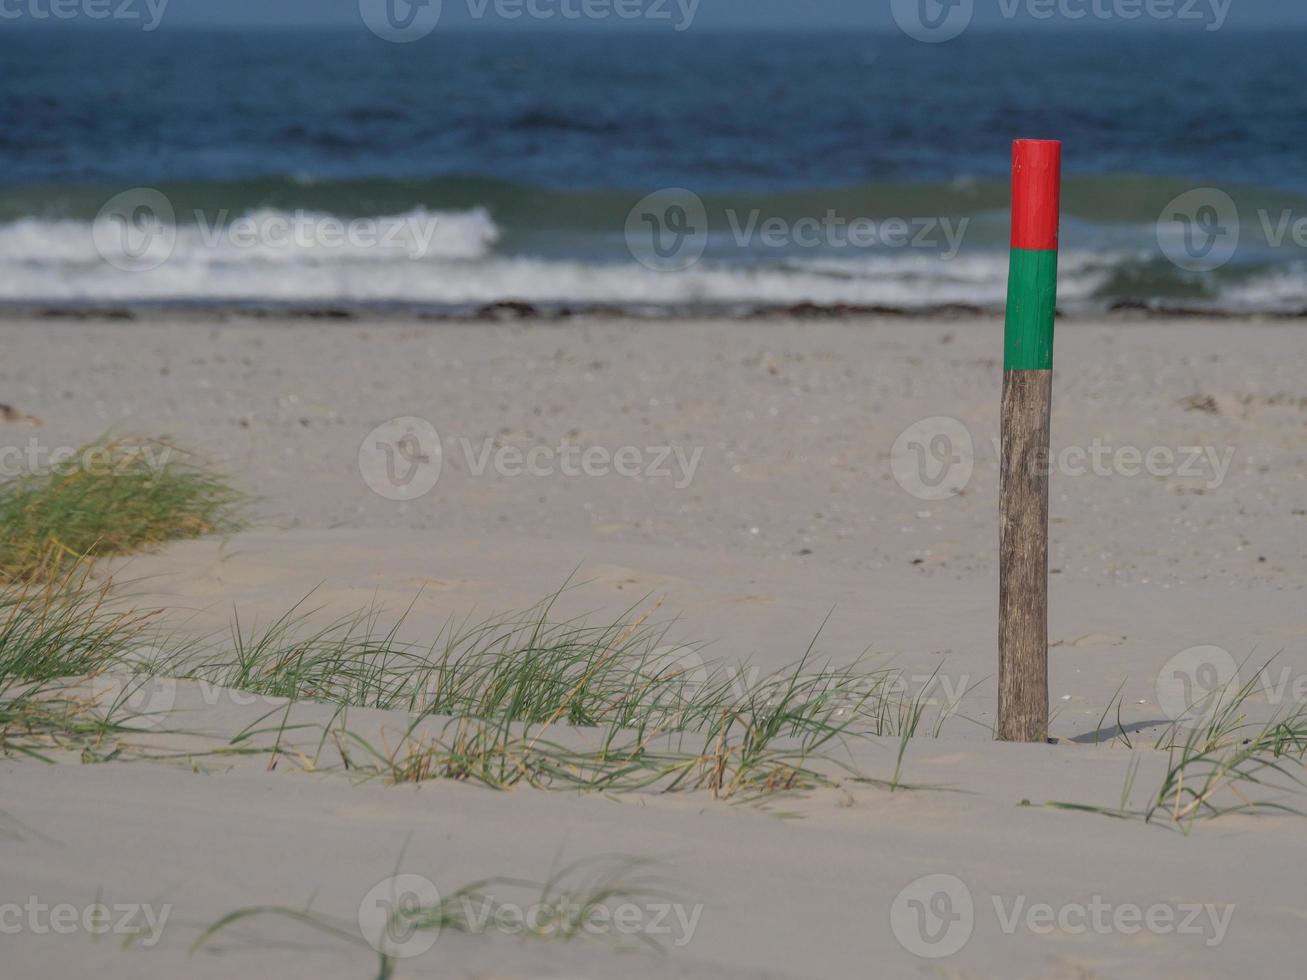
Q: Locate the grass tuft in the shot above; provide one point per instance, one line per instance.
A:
(531, 700)
(505, 701)
(112, 497)
(1226, 765)
(49, 633)
(576, 902)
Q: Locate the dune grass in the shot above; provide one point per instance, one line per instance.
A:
(1215, 768)
(1221, 766)
(508, 700)
(570, 899)
(528, 699)
(507, 686)
(533, 668)
(508, 689)
(50, 633)
(112, 497)
(574, 903)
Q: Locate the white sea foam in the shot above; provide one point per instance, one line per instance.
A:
(213, 253)
(449, 258)
(1283, 289)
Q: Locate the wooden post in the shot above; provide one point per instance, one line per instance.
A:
(1027, 403)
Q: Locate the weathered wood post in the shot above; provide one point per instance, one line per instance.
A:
(1027, 403)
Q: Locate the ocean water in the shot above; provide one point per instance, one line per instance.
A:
(661, 172)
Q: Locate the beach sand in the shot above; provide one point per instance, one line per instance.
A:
(1178, 519)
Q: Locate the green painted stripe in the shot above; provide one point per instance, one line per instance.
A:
(1031, 308)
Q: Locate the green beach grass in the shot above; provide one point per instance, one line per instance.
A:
(505, 687)
(502, 700)
(1219, 767)
(506, 701)
(111, 497)
(526, 699)
(570, 905)
(50, 633)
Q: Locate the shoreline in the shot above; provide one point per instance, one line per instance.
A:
(508, 309)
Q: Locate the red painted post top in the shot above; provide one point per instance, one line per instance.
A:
(1036, 193)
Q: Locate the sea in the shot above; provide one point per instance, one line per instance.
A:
(653, 172)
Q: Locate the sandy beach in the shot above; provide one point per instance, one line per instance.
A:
(753, 484)
(583, 490)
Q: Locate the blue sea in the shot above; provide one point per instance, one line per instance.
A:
(660, 172)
